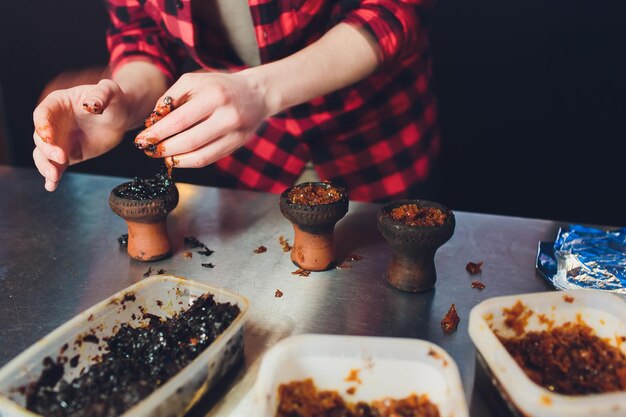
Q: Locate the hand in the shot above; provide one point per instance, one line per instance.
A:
(77, 124)
(215, 114)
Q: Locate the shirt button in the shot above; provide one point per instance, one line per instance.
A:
(180, 4)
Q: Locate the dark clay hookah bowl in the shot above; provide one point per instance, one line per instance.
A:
(147, 222)
(314, 225)
(412, 266)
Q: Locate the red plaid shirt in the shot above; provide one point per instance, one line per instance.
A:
(378, 137)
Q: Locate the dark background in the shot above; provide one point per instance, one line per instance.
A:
(531, 100)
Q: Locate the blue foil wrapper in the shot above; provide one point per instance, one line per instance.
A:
(584, 257)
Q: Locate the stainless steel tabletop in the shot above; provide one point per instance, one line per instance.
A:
(59, 255)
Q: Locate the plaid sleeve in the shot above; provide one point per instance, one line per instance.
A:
(133, 35)
(394, 25)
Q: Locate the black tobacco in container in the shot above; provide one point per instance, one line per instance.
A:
(137, 362)
(146, 189)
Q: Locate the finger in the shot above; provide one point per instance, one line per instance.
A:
(43, 117)
(179, 120)
(50, 171)
(97, 99)
(50, 150)
(209, 153)
(217, 125)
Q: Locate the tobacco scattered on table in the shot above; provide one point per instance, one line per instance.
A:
(260, 249)
(123, 240)
(206, 252)
(209, 265)
(302, 399)
(314, 194)
(284, 243)
(278, 293)
(148, 272)
(413, 215)
(160, 271)
(146, 189)
(568, 298)
(474, 268)
(188, 255)
(193, 243)
(450, 321)
(301, 272)
(136, 362)
(478, 285)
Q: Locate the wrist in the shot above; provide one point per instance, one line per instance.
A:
(260, 81)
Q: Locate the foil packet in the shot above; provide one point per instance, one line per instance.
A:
(585, 257)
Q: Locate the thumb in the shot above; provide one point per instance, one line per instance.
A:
(97, 99)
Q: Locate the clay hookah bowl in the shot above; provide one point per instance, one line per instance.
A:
(412, 266)
(314, 225)
(147, 222)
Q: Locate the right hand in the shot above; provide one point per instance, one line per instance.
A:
(67, 133)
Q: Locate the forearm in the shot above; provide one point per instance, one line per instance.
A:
(343, 56)
(143, 83)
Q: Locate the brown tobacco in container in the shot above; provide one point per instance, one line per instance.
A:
(302, 399)
(569, 359)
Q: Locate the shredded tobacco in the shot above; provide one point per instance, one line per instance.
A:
(413, 215)
(569, 359)
(450, 321)
(312, 194)
(302, 399)
(474, 268)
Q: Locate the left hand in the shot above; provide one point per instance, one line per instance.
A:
(215, 114)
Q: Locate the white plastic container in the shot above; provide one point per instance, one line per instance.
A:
(161, 295)
(602, 311)
(387, 367)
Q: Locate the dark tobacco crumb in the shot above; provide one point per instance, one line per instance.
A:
(63, 348)
(148, 272)
(474, 268)
(301, 272)
(159, 303)
(205, 252)
(478, 285)
(569, 359)
(314, 194)
(146, 189)
(351, 390)
(91, 338)
(278, 293)
(137, 361)
(209, 265)
(260, 249)
(450, 321)
(413, 215)
(74, 361)
(123, 240)
(160, 271)
(188, 255)
(568, 299)
(193, 242)
(90, 318)
(516, 317)
(284, 243)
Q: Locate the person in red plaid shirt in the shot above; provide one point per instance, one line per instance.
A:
(345, 84)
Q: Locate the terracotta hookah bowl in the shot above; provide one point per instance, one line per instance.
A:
(145, 204)
(313, 212)
(412, 266)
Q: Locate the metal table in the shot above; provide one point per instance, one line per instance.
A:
(59, 255)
